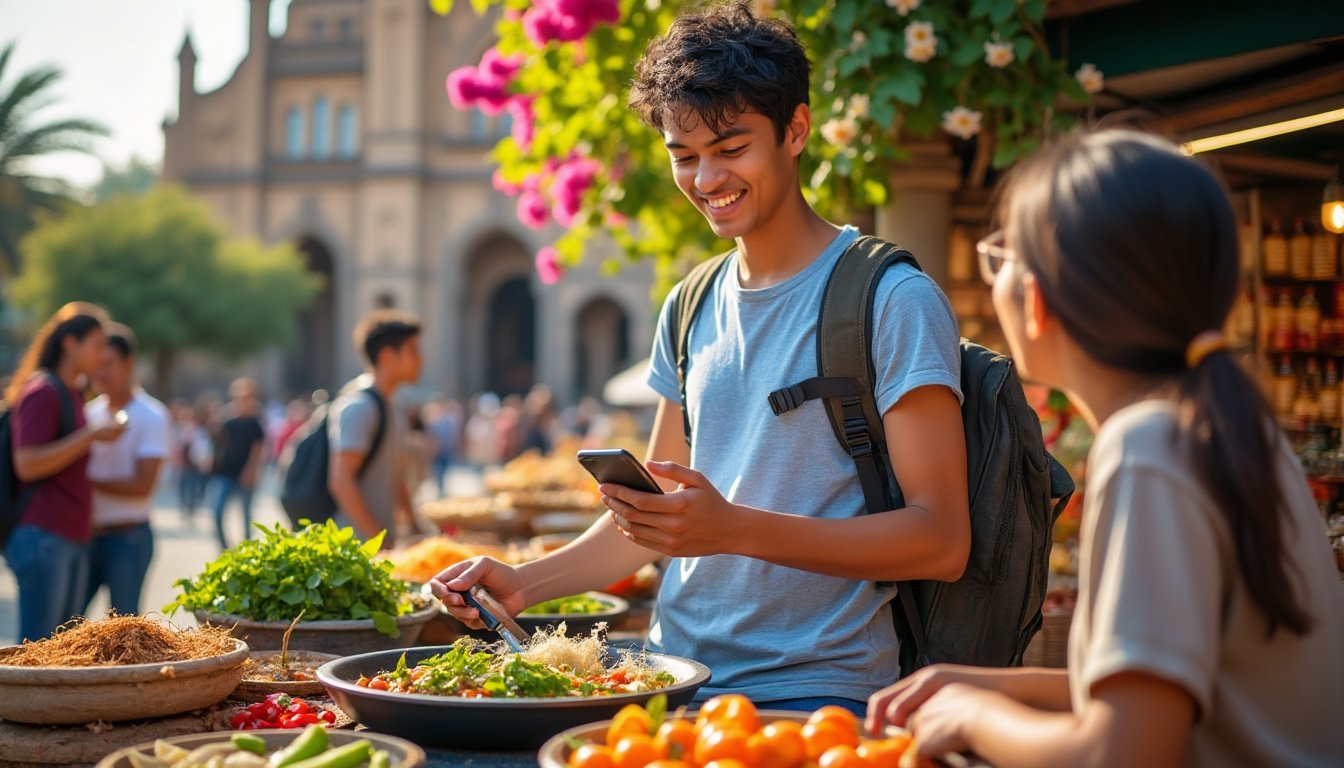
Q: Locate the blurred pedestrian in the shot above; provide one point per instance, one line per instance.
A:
(194, 454)
(443, 420)
(48, 550)
(367, 472)
(124, 473)
(238, 455)
(540, 421)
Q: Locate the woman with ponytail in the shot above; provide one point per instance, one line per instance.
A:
(48, 549)
(1210, 620)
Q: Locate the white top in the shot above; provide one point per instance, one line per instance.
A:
(146, 437)
(1160, 592)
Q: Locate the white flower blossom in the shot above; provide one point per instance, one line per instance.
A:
(858, 40)
(858, 106)
(840, 131)
(998, 55)
(962, 122)
(919, 32)
(1090, 78)
(904, 7)
(920, 52)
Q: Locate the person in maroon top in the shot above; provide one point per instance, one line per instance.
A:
(48, 549)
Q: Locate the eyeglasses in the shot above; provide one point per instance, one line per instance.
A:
(993, 255)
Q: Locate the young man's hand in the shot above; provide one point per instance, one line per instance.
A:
(691, 521)
(502, 580)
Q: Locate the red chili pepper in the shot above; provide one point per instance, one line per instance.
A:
(298, 707)
(327, 716)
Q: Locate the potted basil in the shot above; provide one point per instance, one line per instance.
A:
(349, 600)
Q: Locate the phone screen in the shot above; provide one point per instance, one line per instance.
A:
(618, 467)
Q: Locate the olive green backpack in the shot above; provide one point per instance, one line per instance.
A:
(1016, 489)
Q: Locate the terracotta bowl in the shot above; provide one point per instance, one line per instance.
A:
(339, 638)
(404, 754)
(73, 695)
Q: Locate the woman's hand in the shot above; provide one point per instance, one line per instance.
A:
(938, 726)
(898, 701)
(502, 580)
(691, 521)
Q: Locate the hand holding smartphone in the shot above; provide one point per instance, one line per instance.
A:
(618, 466)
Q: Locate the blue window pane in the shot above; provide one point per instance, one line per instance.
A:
(294, 134)
(347, 132)
(505, 123)
(478, 125)
(321, 128)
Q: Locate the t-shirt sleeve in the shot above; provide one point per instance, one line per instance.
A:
(153, 442)
(351, 427)
(37, 420)
(915, 337)
(663, 361)
(1156, 585)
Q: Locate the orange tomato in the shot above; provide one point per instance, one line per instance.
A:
(821, 736)
(668, 764)
(592, 756)
(841, 756)
(676, 738)
(631, 720)
(884, 753)
(730, 709)
(838, 715)
(778, 745)
(715, 743)
(725, 763)
(635, 751)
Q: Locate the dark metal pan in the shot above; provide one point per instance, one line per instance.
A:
(485, 724)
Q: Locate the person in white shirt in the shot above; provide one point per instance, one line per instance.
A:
(123, 473)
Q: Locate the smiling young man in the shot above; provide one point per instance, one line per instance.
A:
(779, 581)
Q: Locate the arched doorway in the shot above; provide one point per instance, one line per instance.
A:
(499, 318)
(602, 345)
(511, 347)
(310, 363)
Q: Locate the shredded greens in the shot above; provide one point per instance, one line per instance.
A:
(574, 604)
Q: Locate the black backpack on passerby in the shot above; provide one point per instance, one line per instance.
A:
(12, 500)
(307, 464)
(1016, 489)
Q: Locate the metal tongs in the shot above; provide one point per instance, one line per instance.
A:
(495, 617)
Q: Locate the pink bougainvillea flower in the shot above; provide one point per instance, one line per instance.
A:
(548, 266)
(498, 65)
(503, 185)
(532, 209)
(596, 11)
(524, 127)
(544, 23)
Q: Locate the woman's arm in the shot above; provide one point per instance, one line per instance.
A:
(1132, 719)
(38, 462)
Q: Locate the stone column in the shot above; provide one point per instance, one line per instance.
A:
(918, 215)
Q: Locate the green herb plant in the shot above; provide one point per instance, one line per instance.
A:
(321, 570)
(574, 604)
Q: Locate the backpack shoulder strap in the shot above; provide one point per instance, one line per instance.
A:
(845, 377)
(378, 433)
(694, 288)
(67, 420)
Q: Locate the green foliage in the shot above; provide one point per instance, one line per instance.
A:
(858, 49)
(162, 265)
(22, 139)
(322, 570)
(133, 179)
(573, 604)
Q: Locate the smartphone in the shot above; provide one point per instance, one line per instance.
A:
(618, 467)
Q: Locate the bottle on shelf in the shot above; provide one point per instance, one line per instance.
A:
(1308, 322)
(1329, 395)
(1324, 259)
(1299, 250)
(1285, 386)
(1274, 248)
(1241, 321)
(1247, 239)
(1306, 400)
(1284, 330)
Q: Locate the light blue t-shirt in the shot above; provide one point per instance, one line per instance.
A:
(765, 630)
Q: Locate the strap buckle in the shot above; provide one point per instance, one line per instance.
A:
(857, 438)
(786, 399)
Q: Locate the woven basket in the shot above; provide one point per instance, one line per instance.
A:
(1050, 647)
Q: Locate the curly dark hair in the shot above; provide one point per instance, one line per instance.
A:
(720, 63)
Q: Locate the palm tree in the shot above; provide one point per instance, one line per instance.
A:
(23, 194)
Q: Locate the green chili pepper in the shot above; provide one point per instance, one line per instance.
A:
(347, 756)
(249, 743)
(313, 741)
